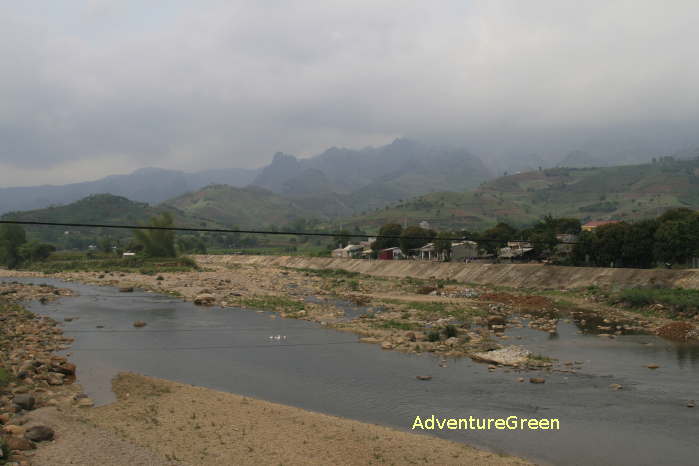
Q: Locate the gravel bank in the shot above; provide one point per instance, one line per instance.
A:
(199, 426)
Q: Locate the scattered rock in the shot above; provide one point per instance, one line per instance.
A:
(205, 299)
(14, 430)
(616, 386)
(39, 433)
(86, 402)
(520, 379)
(424, 377)
(139, 324)
(126, 289)
(690, 404)
(24, 401)
(55, 378)
(66, 368)
(508, 356)
(19, 443)
(537, 380)
(652, 366)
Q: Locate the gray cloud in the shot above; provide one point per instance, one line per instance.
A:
(111, 85)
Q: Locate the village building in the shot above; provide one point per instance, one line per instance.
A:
(350, 251)
(465, 251)
(391, 254)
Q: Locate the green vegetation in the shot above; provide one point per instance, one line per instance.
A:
(629, 192)
(415, 237)
(678, 300)
(15, 250)
(330, 273)
(251, 206)
(100, 262)
(672, 238)
(5, 377)
(157, 243)
(397, 324)
(272, 303)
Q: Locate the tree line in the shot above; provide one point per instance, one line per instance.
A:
(671, 238)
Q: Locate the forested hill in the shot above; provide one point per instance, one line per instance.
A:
(627, 192)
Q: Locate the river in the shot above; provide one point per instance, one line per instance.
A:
(311, 367)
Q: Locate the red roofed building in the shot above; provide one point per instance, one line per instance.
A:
(589, 226)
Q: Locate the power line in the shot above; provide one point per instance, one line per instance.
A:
(264, 232)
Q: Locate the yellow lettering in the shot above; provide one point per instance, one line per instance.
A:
(417, 422)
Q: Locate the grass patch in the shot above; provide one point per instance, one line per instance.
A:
(397, 324)
(330, 273)
(428, 309)
(85, 263)
(272, 303)
(678, 300)
(540, 358)
(5, 377)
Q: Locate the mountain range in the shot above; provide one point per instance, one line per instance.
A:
(335, 183)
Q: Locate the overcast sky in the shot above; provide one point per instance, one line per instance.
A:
(95, 87)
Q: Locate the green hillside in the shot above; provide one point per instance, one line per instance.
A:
(243, 207)
(625, 192)
(98, 208)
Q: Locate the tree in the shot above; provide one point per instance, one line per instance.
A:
(12, 237)
(415, 237)
(609, 243)
(105, 244)
(34, 251)
(158, 243)
(497, 237)
(677, 241)
(639, 242)
(340, 240)
(390, 229)
(442, 243)
(191, 244)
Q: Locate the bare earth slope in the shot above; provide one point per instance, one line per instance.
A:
(511, 275)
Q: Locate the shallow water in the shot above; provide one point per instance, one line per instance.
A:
(647, 422)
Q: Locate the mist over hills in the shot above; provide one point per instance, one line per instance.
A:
(151, 185)
(336, 182)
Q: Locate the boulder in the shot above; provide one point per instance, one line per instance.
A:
(386, 345)
(13, 430)
(424, 377)
(39, 433)
(55, 378)
(496, 320)
(205, 299)
(537, 380)
(508, 356)
(24, 401)
(19, 443)
(86, 403)
(126, 289)
(139, 324)
(66, 368)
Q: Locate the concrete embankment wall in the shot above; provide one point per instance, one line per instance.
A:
(513, 275)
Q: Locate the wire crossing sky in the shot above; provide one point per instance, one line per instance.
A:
(266, 232)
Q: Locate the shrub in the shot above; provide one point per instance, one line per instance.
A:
(434, 335)
(450, 331)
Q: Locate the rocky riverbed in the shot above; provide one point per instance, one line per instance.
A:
(46, 420)
(409, 315)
